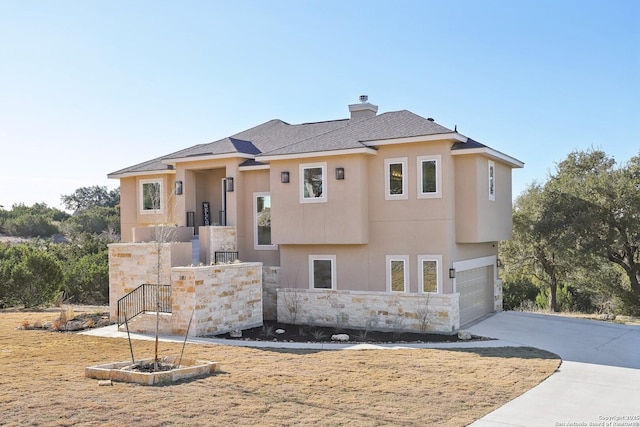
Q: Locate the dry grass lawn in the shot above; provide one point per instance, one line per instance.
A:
(42, 383)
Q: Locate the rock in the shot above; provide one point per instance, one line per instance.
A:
(73, 325)
(464, 335)
(607, 316)
(47, 325)
(279, 331)
(103, 322)
(104, 382)
(236, 333)
(340, 337)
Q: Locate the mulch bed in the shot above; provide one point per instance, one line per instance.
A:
(272, 331)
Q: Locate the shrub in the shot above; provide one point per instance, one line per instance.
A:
(29, 276)
(30, 225)
(515, 293)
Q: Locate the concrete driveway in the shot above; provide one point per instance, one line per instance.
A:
(598, 383)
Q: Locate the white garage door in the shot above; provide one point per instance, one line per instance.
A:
(476, 293)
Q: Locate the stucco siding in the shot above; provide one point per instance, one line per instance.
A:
(342, 219)
(479, 219)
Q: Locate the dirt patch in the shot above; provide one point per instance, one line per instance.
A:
(43, 383)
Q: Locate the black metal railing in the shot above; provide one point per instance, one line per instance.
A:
(142, 299)
(225, 256)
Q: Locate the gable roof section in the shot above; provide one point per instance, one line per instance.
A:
(150, 167)
(364, 133)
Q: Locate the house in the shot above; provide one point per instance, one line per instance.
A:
(382, 221)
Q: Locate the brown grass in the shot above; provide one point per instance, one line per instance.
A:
(42, 383)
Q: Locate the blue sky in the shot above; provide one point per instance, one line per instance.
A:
(90, 87)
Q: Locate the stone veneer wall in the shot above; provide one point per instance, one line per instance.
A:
(133, 264)
(270, 285)
(497, 295)
(369, 310)
(221, 298)
(216, 238)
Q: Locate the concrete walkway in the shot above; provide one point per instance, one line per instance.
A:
(598, 383)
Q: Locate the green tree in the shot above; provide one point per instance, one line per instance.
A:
(537, 252)
(89, 197)
(30, 225)
(96, 220)
(602, 205)
(30, 276)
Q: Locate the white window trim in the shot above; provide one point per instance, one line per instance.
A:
(322, 199)
(438, 260)
(405, 260)
(438, 193)
(256, 246)
(141, 184)
(492, 165)
(331, 258)
(387, 181)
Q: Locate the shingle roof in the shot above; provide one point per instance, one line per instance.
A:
(471, 143)
(396, 124)
(276, 137)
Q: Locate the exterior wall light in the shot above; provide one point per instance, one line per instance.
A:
(284, 177)
(339, 173)
(178, 188)
(229, 181)
(452, 273)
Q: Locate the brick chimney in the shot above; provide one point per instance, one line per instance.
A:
(364, 109)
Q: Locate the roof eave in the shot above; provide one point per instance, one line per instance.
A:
(116, 175)
(511, 161)
(363, 150)
(198, 158)
(450, 136)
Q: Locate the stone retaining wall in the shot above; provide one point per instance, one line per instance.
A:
(221, 297)
(369, 310)
(134, 264)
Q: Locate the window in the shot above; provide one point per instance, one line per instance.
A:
(397, 273)
(262, 221)
(492, 180)
(313, 183)
(151, 196)
(429, 273)
(395, 178)
(322, 271)
(429, 177)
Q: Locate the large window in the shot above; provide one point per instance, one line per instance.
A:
(262, 221)
(492, 180)
(429, 177)
(313, 183)
(322, 271)
(151, 196)
(429, 273)
(397, 273)
(395, 171)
